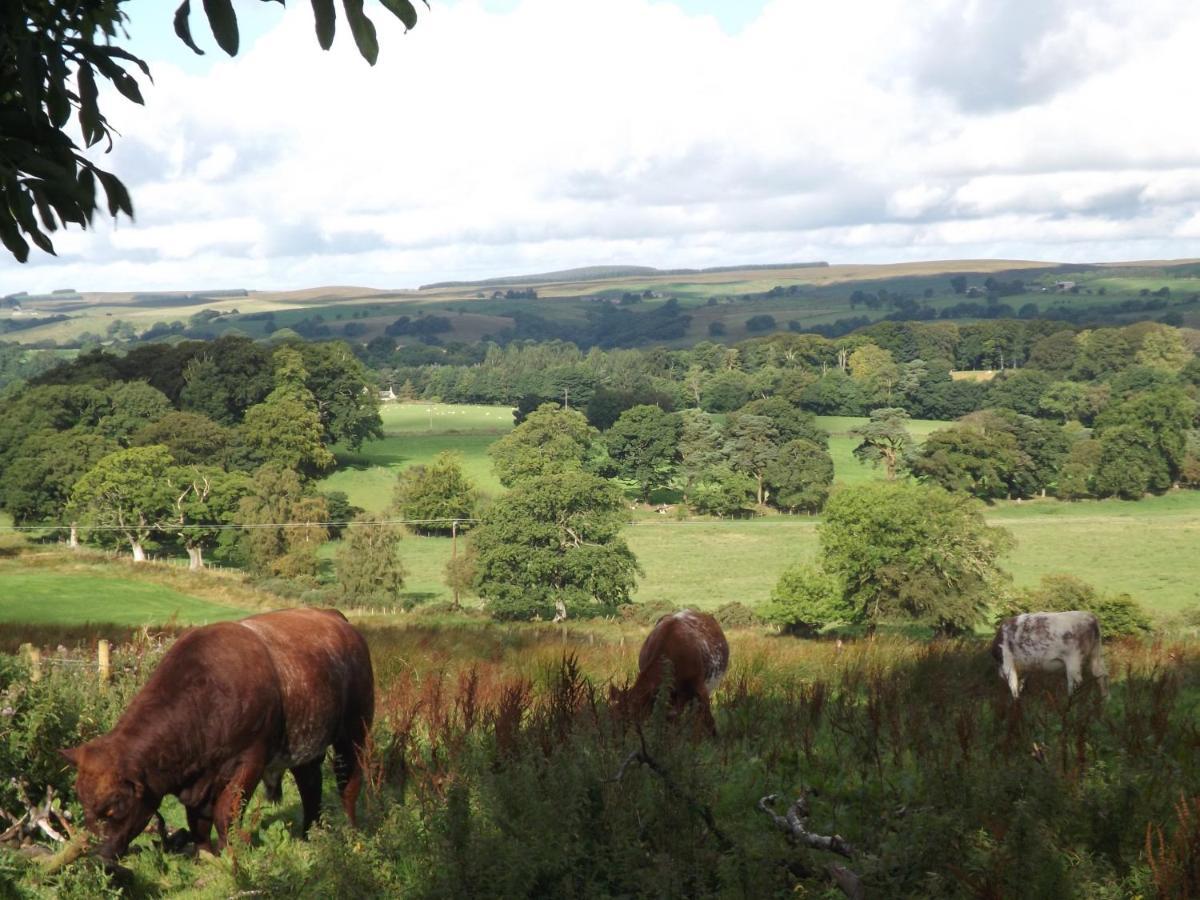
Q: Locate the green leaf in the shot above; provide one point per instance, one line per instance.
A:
(183, 28)
(362, 29)
(118, 196)
(89, 112)
(402, 10)
(326, 16)
(223, 21)
(9, 235)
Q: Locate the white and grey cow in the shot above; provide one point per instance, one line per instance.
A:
(1050, 641)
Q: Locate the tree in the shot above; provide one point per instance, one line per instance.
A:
(206, 499)
(1163, 348)
(550, 441)
(224, 379)
(37, 486)
(965, 459)
(1154, 428)
(346, 401)
(191, 438)
(914, 551)
(806, 600)
(751, 445)
(800, 476)
(1077, 477)
(285, 524)
(874, 369)
(643, 444)
(700, 447)
(132, 406)
(553, 544)
(52, 54)
(792, 422)
(129, 493)
(286, 428)
(721, 491)
(883, 439)
(369, 570)
(433, 497)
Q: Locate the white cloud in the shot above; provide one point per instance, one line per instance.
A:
(577, 132)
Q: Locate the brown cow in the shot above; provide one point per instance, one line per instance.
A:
(229, 705)
(695, 646)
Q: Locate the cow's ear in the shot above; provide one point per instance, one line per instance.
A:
(71, 755)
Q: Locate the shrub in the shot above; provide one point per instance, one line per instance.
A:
(646, 613)
(736, 615)
(806, 600)
(1119, 614)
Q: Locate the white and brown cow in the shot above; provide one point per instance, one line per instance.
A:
(1053, 642)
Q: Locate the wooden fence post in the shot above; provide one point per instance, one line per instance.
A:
(35, 661)
(102, 659)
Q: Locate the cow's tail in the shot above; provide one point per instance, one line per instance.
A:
(1099, 670)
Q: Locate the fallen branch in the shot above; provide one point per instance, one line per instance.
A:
(47, 820)
(643, 756)
(794, 823)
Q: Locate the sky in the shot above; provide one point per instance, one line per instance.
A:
(503, 137)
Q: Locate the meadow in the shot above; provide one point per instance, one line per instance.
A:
(498, 765)
(1143, 548)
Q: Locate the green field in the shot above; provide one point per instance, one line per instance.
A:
(414, 434)
(1143, 548)
(34, 597)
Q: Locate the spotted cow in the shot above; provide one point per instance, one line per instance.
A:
(1049, 641)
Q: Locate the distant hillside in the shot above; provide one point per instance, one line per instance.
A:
(597, 273)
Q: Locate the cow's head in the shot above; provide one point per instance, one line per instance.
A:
(117, 805)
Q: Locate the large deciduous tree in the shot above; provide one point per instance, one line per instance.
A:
(206, 501)
(53, 56)
(553, 545)
(284, 525)
(912, 551)
(800, 476)
(37, 486)
(435, 497)
(286, 428)
(751, 445)
(551, 440)
(643, 444)
(127, 493)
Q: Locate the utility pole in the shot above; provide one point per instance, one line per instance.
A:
(454, 557)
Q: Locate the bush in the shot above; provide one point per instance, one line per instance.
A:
(1119, 614)
(646, 613)
(736, 615)
(806, 600)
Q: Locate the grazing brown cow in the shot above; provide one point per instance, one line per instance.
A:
(695, 646)
(229, 705)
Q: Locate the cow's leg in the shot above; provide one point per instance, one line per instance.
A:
(347, 769)
(1014, 681)
(308, 780)
(233, 796)
(1074, 667)
(705, 703)
(200, 820)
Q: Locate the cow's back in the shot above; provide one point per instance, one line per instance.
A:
(323, 670)
(1049, 640)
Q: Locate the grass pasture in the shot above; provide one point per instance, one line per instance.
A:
(497, 761)
(414, 433)
(62, 598)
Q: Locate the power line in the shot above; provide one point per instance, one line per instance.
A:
(235, 527)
